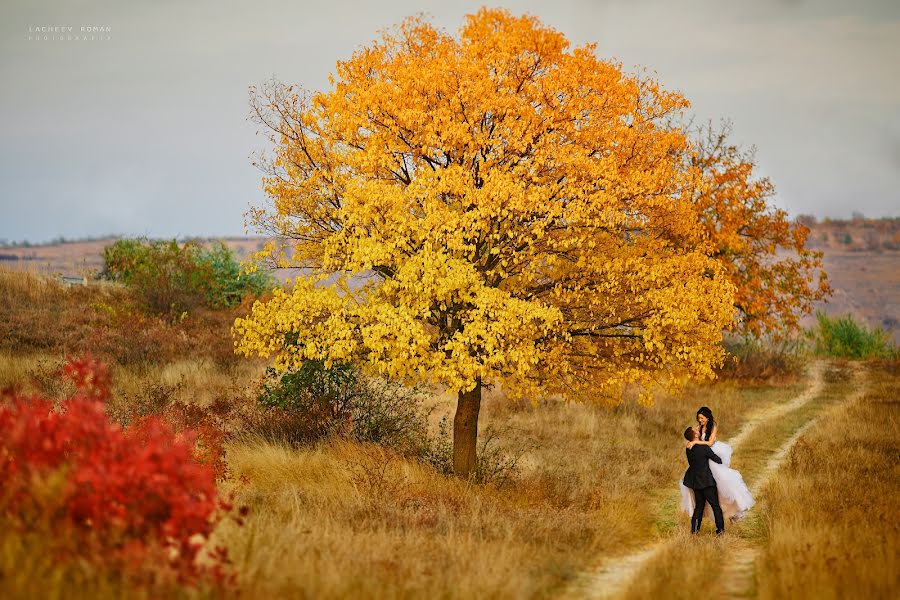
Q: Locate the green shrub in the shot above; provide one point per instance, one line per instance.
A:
(229, 284)
(313, 402)
(165, 277)
(843, 337)
(173, 279)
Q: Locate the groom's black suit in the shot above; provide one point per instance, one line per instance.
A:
(699, 478)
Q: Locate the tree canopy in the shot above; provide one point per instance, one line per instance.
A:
(526, 213)
(776, 276)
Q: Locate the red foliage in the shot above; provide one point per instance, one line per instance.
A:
(131, 497)
(208, 424)
(91, 378)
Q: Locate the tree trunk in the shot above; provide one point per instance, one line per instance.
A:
(465, 432)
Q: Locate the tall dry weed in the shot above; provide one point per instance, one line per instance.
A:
(830, 517)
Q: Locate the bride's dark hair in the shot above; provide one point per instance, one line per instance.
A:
(704, 410)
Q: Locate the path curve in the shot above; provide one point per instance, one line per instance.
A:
(612, 577)
(815, 387)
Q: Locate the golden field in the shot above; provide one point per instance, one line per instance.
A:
(592, 485)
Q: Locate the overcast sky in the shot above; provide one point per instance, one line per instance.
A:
(146, 133)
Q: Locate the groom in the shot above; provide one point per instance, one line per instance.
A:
(699, 478)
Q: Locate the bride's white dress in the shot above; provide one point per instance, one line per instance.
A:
(734, 496)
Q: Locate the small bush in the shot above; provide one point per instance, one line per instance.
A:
(377, 473)
(45, 378)
(229, 284)
(151, 400)
(174, 279)
(843, 337)
(495, 464)
(311, 403)
(166, 277)
(751, 358)
(135, 502)
(439, 452)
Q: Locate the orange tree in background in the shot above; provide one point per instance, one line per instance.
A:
(777, 278)
(522, 213)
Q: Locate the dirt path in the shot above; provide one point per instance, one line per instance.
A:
(816, 385)
(739, 575)
(612, 577)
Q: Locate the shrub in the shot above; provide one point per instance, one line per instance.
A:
(133, 501)
(174, 279)
(313, 402)
(377, 472)
(757, 359)
(229, 284)
(843, 337)
(495, 463)
(439, 452)
(152, 399)
(166, 277)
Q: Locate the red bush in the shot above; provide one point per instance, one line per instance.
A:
(137, 499)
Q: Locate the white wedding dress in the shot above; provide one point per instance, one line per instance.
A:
(734, 496)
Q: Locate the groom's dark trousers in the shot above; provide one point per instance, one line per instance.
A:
(699, 478)
(701, 497)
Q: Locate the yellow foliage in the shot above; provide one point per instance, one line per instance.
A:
(523, 213)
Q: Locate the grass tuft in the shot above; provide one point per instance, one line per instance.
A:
(843, 337)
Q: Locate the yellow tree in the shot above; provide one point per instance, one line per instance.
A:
(777, 278)
(521, 213)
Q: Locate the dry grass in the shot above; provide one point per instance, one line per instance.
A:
(42, 315)
(194, 381)
(346, 520)
(831, 528)
(674, 573)
(331, 522)
(757, 448)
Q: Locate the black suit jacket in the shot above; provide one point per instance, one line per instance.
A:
(698, 475)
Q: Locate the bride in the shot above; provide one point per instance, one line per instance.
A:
(734, 496)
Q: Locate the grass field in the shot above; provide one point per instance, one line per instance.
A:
(327, 522)
(830, 527)
(593, 484)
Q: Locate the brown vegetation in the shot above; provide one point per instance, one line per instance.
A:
(830, 519)
(42, 314)
(343, 519)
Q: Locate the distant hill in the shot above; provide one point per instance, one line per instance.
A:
(85, 257)
(856, 235)
(862, 259)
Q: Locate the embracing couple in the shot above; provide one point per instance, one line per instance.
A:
(709, 485)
